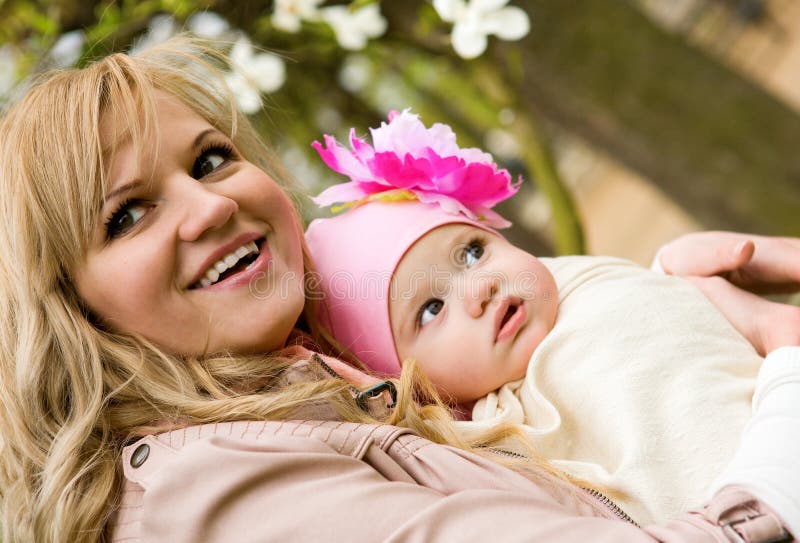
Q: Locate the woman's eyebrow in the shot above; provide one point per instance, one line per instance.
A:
(127, 187)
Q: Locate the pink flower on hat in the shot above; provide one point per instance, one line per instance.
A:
(410, 161)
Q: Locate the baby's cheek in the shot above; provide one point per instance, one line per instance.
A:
(539, 331)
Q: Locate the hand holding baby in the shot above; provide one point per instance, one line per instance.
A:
(760, 264)
(729, 268)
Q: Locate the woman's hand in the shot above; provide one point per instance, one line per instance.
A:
(766, 325)
(761, 264)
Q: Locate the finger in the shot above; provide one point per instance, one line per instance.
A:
(738, 306)
(707, 254)
(742, 254)
(773, 268)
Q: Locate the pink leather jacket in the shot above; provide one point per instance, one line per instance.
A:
(334, 481)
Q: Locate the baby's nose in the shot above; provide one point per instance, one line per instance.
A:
(479, 293)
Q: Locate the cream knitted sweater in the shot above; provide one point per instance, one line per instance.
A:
(642, 387)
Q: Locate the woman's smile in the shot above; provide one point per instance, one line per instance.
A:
(226, 266)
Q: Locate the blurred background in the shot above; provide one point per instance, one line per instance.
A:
(631, 121)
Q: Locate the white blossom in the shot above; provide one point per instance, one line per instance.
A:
(475, 20)
(207, 24)
(67, 49)
(160, 29)
(253, 73)
(289, 14)
(354, 28)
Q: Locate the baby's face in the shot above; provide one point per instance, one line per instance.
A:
(470, 308)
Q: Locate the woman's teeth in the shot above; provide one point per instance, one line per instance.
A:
(227, 262)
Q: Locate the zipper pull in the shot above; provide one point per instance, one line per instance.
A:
(368, 399)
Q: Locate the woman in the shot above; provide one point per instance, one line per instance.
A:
(151, 276)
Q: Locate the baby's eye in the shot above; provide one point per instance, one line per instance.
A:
(472, 253)
(428, 311)
(127, 215)
(210, 159)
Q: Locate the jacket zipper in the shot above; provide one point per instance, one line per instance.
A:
(362, 397)
(616, 509)
(318, 359)
(596, 494)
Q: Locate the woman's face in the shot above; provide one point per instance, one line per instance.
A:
(196, 249)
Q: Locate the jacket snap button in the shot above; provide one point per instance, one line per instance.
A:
(140, 455)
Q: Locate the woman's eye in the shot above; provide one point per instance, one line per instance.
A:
(125, 218)
(209, 160)
(429, 310)
(472, 253)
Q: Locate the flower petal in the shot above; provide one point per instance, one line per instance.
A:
(405, 133)
(409, 158)
(397, 172)
(289, 14)
(247, 97)
(353, 29)
(468, 41)
(473, 154)
(362, 150)
(339, 159)
(509, 23)
(486, 6)
(241, 52)
(448, 10)
(268, 71)
(492, 218)
(286, 21)
(370, 21)
(442, 140)
(207, 24)
(447, 203)
(343, 192)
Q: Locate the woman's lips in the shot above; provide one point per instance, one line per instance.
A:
(509, 328)
(256, 268)
(220, 252)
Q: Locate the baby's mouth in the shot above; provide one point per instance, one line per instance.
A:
(509, 313)
(511, 316)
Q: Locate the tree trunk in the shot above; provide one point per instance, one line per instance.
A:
(716, 143)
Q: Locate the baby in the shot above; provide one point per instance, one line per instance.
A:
(623, 377)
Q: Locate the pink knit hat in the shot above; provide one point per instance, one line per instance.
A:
(415, 179)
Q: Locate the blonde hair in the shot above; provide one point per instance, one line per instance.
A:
(74, 393)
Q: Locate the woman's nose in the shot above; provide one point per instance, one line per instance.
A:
(479, 293)
(203, 209)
